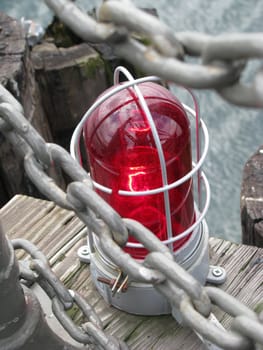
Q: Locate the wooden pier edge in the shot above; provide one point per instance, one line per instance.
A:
(59, 233)
(251, 200)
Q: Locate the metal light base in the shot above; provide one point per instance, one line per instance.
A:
(141, 298)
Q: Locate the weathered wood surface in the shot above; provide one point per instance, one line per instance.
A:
(70, 79)
(59, 234)
(55, 86)
(17, 76)
(252, 200)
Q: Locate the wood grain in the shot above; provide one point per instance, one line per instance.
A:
(59, 234)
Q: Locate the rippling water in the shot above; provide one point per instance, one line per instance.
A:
(235, 133)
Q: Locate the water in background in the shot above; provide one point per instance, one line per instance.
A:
(235, 133)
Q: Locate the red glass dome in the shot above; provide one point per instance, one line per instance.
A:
(123, 155)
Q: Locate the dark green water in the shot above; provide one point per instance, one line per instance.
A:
(235, 133)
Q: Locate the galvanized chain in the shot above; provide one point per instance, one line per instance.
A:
(220, 60)
(38, 270)
(159, 268)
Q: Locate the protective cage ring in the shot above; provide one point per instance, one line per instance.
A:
(196, 166)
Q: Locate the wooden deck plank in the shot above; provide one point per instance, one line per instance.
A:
(59, 234)
(41, 222)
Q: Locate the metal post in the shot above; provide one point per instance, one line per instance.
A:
(22, 324)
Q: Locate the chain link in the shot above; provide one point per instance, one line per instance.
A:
(159, 268)
(220, 60)
(163, 58)
(38, 270)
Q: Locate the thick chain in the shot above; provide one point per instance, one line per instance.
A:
(163, 58)
(159, 268)
(222, 59)
(38, 270)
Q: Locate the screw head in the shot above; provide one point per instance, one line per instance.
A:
(85, 251)
(84, 254)
(217, 272)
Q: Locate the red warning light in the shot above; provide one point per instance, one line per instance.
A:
(123, 156)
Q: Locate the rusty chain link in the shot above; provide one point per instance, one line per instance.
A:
(159, 268)
(220, 60)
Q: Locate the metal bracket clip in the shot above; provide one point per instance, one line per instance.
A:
(216, 275)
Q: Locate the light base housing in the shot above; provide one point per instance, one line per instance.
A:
(142, 298)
